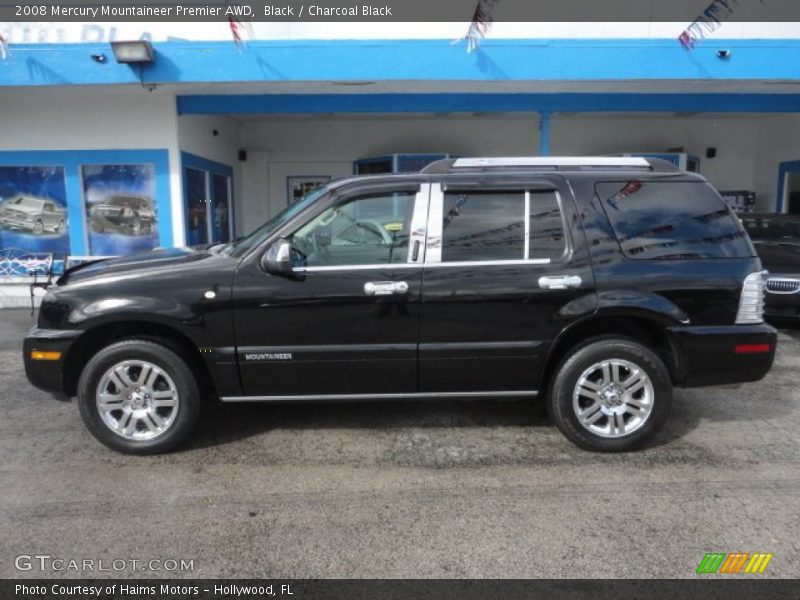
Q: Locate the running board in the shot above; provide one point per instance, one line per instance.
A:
(356, 397)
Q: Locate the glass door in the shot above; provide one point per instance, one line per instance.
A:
(208, 201)
(220, 223)
(196, 207)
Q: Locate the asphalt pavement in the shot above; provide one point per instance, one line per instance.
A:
(403, 490)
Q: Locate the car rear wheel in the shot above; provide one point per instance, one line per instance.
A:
(59, 226)
(611, 395)
(138, 397)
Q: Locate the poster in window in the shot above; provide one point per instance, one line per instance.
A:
(120, 208)
(33, 209)
(300, 185)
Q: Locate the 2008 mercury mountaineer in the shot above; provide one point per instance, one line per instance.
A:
(601, 283)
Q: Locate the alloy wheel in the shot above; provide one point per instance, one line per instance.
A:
(137, 400)
(613, 398)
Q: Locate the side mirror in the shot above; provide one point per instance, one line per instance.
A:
(277, 260)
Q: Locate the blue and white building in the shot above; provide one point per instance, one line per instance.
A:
(218, 138)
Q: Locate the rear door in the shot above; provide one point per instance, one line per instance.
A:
(506, 269)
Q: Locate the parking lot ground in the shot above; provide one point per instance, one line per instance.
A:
(406, 490)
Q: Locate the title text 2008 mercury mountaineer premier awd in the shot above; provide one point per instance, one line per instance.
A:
(598, 283)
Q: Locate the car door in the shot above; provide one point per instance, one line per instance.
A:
(506, 269)
(347, 323)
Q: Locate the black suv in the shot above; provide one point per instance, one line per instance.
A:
(131, 215)
(600, 283)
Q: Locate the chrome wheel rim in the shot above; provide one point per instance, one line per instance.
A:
(137, 400)
(613, 398)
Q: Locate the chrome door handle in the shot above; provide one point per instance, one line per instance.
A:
(385, 288)
(560, 282)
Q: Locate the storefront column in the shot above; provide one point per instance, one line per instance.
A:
(544, 133)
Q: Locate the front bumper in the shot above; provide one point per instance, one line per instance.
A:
(47, 375)
(782, 306)
(16, 224)
(725, 354)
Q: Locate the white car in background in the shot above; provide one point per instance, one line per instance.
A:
(36, 215)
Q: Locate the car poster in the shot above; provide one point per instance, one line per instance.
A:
(33, 210)
(121, 213)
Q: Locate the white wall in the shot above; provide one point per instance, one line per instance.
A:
(82, 119)
(735, 138)
(281, 147)
(749, 147)
(778, 141)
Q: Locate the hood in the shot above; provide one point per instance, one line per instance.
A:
(31, 210)
(779, 258)
(173, 258)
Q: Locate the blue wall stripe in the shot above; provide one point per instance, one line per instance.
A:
(408, 60)
(414, 103)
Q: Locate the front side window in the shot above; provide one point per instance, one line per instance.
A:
(372, 229)
(501, 225)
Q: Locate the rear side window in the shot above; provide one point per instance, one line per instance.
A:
(501, 225)
(672, 220)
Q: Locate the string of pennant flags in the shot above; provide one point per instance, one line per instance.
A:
(708, 22)
(481, 22)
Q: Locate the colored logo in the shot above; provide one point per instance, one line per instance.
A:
(734, 563)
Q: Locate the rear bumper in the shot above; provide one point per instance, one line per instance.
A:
(725, 355)
(47, 375)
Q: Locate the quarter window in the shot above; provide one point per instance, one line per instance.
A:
(502, 225)
(366, 230)
(672, 220)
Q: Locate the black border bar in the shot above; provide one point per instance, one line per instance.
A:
(732, 588)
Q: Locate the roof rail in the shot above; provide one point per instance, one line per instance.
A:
(554, 162)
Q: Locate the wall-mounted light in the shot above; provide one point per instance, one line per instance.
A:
(99, 58)
(724, 54)
(136, 51)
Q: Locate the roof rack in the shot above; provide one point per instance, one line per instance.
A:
(553, 162)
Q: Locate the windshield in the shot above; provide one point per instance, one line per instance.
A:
(120, 200)
(241, 247)
(23, 201)
(772, 229)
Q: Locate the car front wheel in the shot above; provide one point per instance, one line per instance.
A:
(611, 395)
(138, 397)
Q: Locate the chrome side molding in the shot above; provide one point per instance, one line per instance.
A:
(406, 396)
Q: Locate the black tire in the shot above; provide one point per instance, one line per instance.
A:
(582, 358)
(169, 362)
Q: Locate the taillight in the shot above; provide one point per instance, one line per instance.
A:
(751, 302)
